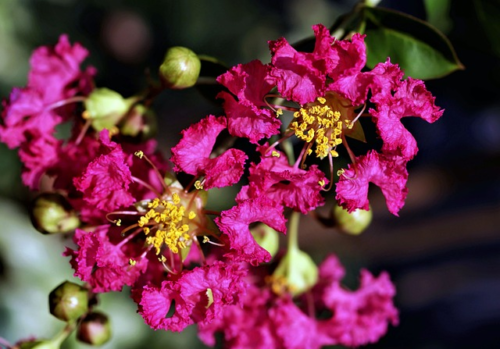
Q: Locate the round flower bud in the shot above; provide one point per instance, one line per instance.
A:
(105, 108)
(352, 223)
(266, 237)
(180, 68)
(94, 329)
(140, 122)
(51, 213)
(68, 301)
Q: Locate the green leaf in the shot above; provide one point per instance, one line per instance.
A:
(419, 48)
(438, 14)
(211, 68)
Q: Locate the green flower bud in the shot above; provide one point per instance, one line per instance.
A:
(51, 213)
(139, 122)
(299, 271)
(94, 329)
(68, 301)
(352, 223)
(267, 238)
(180, 68)
(106, 108)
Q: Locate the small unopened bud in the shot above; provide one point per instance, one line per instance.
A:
(52, 214)
(94, 329)
(352, 223)
(267, 238)
(139, 122)
(68, 301)
(180, 68)
(106, 108)
(299, 271)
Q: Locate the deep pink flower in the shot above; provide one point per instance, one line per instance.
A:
(246, 326)
(284, 184)
(248, 116)
(192, 154)
(351, 56)
(385, 171)
(359, 317)
(105, 182)
(198, 296)
(234, 223)
(301, 76)
(103, 262)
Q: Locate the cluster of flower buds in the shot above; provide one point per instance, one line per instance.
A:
(137, 225)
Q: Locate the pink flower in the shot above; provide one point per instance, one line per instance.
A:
(287, 185)
(234, 223)
(192, 154)
(359, 317)
(248, 116)
(103, 262)
(301, 76)
(386, 171)
(197, 296)
(105, 182)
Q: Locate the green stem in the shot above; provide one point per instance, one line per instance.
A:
(293, 232)
(65, 332)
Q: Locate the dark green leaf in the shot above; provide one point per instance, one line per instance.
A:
(488, 13)
(420, 49)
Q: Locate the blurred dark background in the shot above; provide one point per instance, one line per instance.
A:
(443, 252)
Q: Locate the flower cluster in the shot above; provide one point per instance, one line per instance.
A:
(185, 264)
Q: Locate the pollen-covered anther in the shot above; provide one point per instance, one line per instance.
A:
(139, 154)
(279, 112)
(198, 185)
(319, 123)
(166, 224)
(275, 154)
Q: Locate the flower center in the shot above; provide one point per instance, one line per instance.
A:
(166, 223)
(319, 123)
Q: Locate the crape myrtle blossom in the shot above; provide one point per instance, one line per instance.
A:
(268, 319)
(30, 115)
(332, 93)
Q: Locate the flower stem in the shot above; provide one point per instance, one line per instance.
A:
(293, 232)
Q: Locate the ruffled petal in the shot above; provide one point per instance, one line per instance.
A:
(386, 171)
(234, 223)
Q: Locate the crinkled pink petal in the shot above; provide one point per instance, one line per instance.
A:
(54, 68)
(291, 186)
(105, 182)
(359, 317)
(156, 304)
(382, 79)
(101, 263)
(248, 121)
(211, 288)
(351, 56)
(37, 156)
(23, 116)
(386, 171)
(192, 154)
(301, 76)
(410, 99)
(295, 329)
(246, 326)
(249, 82)
(234, 223)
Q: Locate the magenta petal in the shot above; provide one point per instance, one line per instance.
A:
(105, 182)
(351, 56)
(234, 223)
(192, 154)
(386, 171)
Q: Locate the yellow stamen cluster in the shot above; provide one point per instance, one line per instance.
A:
(164, 224)
(319, 123)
